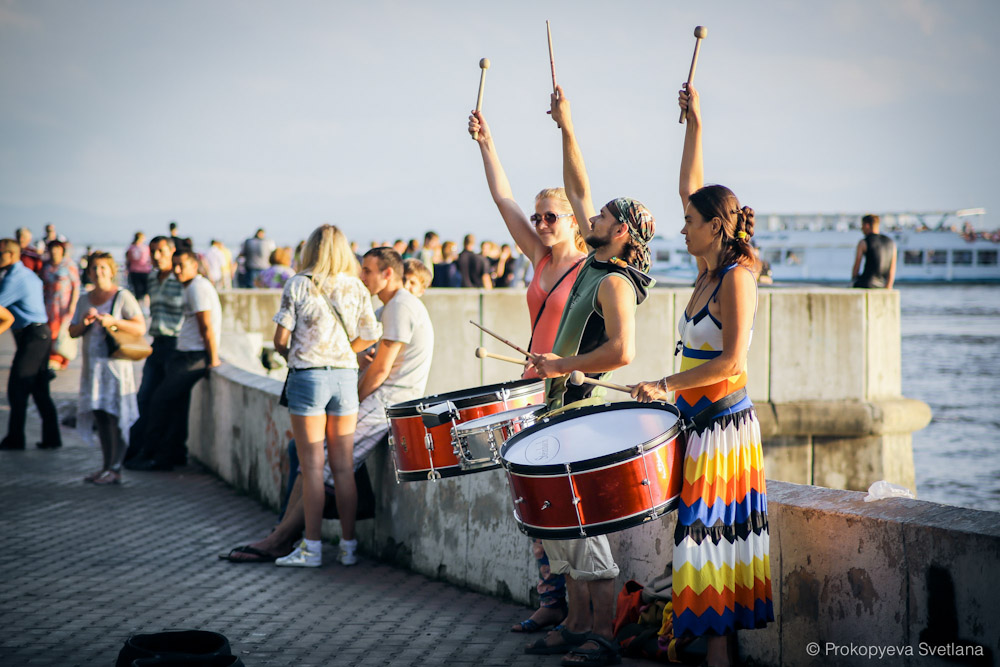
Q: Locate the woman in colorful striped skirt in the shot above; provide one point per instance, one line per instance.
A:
(721, 574)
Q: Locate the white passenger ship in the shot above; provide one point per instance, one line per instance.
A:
(937, 246)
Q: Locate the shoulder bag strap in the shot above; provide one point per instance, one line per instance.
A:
(336, 312)
(546, 299)
(329, 302)
(114, 301)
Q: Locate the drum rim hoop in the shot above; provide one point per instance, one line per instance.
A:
(489, 427)
(445, 472)
(485, 396)
(601, 461)
(601, 527)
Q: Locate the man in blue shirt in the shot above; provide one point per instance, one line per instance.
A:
(21, 294)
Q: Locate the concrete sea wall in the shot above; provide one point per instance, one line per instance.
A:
(892, 578)
(847, 575)
(824, 369)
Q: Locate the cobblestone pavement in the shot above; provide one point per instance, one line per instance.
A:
(82, 567)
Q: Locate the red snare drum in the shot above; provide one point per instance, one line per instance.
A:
(420, 436)
(596, 469)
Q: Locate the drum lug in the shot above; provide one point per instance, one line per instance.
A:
(546, 505)
(402, 443)
(433, 475)
(518, 501)
(645, 482)
(495, 454)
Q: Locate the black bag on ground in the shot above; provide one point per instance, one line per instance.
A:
(190, 661)
(174, 644)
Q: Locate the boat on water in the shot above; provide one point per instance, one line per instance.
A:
(935, 246)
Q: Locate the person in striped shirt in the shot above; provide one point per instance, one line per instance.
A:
(166, 314)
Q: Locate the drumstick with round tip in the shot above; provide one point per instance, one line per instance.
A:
(552, 60)
(700, 33)
(484, 65)
(482, 353)
(501, 339)
(578, 378)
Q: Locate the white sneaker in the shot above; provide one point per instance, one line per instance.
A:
(348, 556)
(300, 557)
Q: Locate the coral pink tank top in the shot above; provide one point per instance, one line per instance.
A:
(543, 336)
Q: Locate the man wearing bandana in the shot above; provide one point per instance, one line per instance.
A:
(596, 335)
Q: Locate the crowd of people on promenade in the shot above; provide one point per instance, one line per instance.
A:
(348, 362)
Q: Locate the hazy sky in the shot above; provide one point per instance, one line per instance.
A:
(227, 115)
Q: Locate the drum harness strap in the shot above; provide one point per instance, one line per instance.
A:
(546, 300)
(701, 420)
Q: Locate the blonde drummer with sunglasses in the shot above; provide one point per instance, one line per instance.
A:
(550, 238)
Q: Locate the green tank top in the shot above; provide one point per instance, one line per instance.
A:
(581, 330)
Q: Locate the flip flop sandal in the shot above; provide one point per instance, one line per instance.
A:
(570, 641)
(530, 626)
(258, 556)
(606, 653)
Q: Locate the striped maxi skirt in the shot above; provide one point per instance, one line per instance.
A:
(722, 572)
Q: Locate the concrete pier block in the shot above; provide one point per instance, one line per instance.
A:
(759, 355)
(653, 351)
(455, 341)
(504, 312)
(789, 458)
(818, 351)
(883, 375)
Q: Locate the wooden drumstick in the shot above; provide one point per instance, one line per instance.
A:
(552, 60)
(484, 65)
(501, 339)
(700, 33)
(482, 353)
(578, 378)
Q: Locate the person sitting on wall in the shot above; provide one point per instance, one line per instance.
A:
(397, 373)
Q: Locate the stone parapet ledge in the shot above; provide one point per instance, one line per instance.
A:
(843, 418)
(908, 576)
(892, 573)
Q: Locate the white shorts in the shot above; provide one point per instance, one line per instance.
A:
(588, 559)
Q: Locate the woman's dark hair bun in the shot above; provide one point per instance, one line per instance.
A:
(746, 219)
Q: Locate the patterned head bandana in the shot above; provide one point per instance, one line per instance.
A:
(641, 226)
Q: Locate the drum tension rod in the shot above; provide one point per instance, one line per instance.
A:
(433, 475)
(576, 499)
(649, 490)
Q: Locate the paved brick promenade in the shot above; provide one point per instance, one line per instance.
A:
(82, 567)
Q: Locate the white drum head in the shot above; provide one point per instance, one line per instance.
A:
(588, 436)
(497, 418)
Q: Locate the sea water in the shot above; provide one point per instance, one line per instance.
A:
(951, 361)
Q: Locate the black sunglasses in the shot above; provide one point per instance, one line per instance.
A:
(549, 217)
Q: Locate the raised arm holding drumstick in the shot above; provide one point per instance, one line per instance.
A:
(550, 239)
(596, 335)
(715, 331)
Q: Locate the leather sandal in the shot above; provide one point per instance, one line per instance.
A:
(570, 640)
